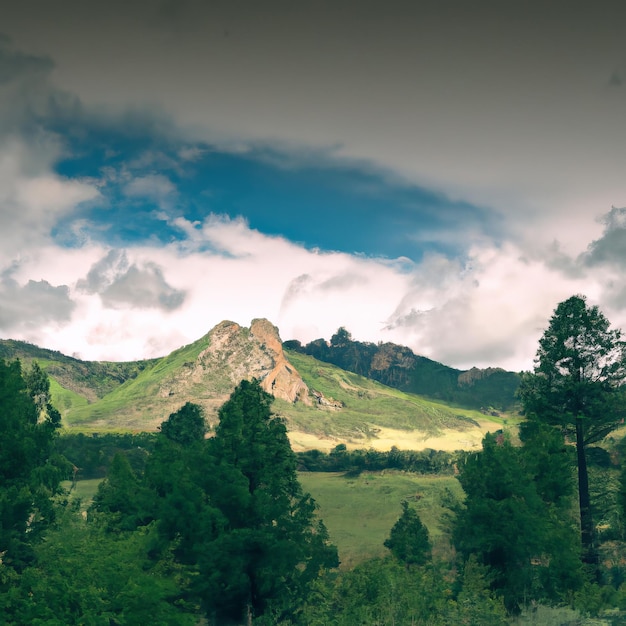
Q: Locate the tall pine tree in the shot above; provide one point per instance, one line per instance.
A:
(578, 386)
(272, 545)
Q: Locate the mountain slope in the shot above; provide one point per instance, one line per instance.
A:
(397, 366)
(322, 404)
(88, 379)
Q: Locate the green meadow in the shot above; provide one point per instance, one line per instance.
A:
(360, 511)
(84, 490)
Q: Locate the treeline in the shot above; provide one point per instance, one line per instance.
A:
(216, 527)
(91, 456)
(397, 366)
(215, 531)
(340, 459)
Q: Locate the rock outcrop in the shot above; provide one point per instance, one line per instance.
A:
(256, 352)
(283, 380)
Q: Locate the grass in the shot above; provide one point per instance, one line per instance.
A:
(164, 385)
(84, 490)
(65, 400)
(360, 512)
(132, 404)
(368, 405)
(132, 397)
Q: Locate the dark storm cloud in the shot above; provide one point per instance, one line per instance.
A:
(610, 249)
(34, 304)
(16, 65)
(121, 284)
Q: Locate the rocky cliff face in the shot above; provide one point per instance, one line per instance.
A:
(256, 352)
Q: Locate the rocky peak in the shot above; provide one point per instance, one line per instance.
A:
(256, 352)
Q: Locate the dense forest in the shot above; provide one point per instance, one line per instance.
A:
(187, 528)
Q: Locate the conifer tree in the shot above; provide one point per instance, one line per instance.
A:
(578, 386)
(30, 472)
(530, 550)
(409, 541)
(272, 546)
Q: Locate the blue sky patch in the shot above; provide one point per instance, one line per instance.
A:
(330, 205)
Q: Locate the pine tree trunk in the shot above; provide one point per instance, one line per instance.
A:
(589, 555)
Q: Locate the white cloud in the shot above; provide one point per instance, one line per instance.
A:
(32, 197)
(155, 187)
(489, 311)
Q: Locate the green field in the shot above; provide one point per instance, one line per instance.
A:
(84, 490)
(359, 512)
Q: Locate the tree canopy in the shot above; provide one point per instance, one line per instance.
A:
(30, 472)
(409, 541)
(578, 385)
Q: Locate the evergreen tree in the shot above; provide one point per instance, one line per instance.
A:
(182, 475)
(529, 548)
(476, 604)
(30, 472)
(409, 541)
(186, 426)
(122, 497)
(577, 386)
(272, 546)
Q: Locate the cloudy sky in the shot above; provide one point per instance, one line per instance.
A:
(436, 174)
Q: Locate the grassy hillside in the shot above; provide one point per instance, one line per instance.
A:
(140, 403)
(359, 512)
(399, 367)
(371, 411)
(90, 380)
(357, 411)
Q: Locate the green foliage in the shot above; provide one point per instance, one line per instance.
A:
(577, 385)
(529, 546)
(122, 497)
(92, 454)
(476, 604)
(30, 472)
(580, 368)
(550, 462)
(382, 592)
(186, 425)
(229, 509)
(85, 575)
(409, 541)
(385, 592)
(425, 461)
(272, 546)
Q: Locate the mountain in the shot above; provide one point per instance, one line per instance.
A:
(322, 404)
(397, 366)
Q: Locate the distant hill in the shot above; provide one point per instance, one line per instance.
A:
(322, 404)
(89, 379)
(398, 367)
